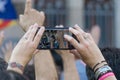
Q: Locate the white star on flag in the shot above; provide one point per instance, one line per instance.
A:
(2, 5)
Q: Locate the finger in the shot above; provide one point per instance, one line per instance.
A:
(28, 32)
(39, 35)
(28, 6)
(72, 41)
(42, 13)
(78, 28)
(77, 34)
(33, 32)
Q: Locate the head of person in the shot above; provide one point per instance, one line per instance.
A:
(3, 64)
(30, 72)
(11, 75)
(112, 56)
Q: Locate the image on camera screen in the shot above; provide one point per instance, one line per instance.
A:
(54, 39)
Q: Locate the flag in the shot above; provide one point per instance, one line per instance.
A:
(8, 14)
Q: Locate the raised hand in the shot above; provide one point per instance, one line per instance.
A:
(7, 50)
(1, 37)
(31, 16)
(86, 46)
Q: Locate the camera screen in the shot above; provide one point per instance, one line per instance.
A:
(54, 39)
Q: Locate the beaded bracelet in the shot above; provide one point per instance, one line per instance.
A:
(16, 65)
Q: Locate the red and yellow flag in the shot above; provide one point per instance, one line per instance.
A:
(8, 14)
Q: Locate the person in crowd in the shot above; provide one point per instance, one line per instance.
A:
(1, 37)
(1, 41)
(7, 50)
(22, 54)
(11, 75)
(29, 71)
(3, 65)
(112, 56)
(91, 55)
(43, 56)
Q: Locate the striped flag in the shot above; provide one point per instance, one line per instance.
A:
(8, 14)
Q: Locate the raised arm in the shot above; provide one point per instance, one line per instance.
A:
(44, 66)
(70, 71)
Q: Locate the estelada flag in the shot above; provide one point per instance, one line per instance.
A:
(8, 14)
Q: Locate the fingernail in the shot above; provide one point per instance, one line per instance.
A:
(43, 28)
(76, 24)
(36, 25)
(70, 28)
(61, 26)
(65, 35)
(57, 26)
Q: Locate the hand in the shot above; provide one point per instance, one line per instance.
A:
(26, 47)
(31, 16)
(1, 37)
(86, 46)
(96, 32)
(7, 50)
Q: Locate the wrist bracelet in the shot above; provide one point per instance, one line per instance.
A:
(100, 67)
(16, 65)
(106, 75)
(98, 64)
(102, 70)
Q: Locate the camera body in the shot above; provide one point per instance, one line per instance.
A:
(53, 38)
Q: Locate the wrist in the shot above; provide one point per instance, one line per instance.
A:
(15, 67)
(21, 60)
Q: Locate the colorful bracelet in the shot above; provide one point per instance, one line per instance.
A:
(16, 65)
(103, 77)
(100, 67)
(102, 70)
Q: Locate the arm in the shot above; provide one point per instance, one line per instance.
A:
(70, 71)
(91, 55)
(44, 66)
